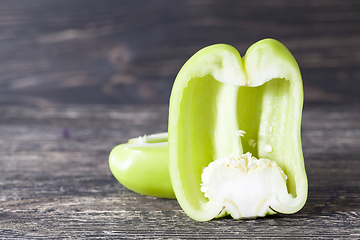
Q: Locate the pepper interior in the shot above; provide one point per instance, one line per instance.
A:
(149, 139)
(157, 138)
(215, 111)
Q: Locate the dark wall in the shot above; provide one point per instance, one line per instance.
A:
(91, 51)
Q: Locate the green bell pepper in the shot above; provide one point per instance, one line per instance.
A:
(141, 165)
(223, 106)
(234, 136)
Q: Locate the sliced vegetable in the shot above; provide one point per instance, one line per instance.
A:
(234, 137)
(223, 106)
(141, 165)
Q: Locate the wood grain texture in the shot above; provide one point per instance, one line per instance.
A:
(55, 181)
(87, 51)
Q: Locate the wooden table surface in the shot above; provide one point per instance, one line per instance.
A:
(55, 181)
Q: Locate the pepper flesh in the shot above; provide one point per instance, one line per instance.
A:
(216, 94)
(141, 165)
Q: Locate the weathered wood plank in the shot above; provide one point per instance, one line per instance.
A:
(55, 181)
(130, 51)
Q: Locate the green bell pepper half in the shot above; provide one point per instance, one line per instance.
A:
(141, 165)
(216, 94)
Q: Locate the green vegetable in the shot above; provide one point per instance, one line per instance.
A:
(223, 106)
(141, 165)
(234, 137)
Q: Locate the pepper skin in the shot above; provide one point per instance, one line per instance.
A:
(216, 94)
(141, 165)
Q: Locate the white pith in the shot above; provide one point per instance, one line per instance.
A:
(244, 186)
(158, 140)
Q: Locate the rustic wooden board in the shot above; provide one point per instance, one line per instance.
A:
(87, 51)
(55, 181)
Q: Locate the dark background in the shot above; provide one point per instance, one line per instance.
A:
(123, 52)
